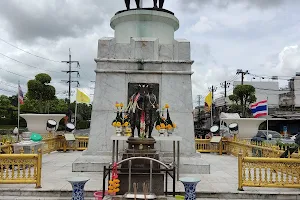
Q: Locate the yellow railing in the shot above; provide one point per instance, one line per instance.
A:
(21, 168)
(82, 143)
(268, 172)
(6, 148)
(205, 146)
(51, 144)
(246, 147)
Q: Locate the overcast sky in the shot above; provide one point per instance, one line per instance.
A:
(261, 36)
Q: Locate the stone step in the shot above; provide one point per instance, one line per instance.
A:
(92, 198)
(39, 198)
(9, 194)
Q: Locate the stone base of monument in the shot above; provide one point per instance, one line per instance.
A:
(91, 163)
(145, 148)
(188, 165)
(140, 168)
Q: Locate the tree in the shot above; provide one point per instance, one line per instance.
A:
(14, 100)
(40, 90)
(242, 97)
(4, 105)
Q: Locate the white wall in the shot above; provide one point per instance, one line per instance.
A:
(297, 90)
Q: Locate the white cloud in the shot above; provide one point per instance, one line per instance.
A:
(224, 37)
(203, 25)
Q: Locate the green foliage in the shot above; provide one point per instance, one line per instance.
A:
(40, 91)
(242, 97)
(84, 111)
(5, 107)
(14, 100)
(83, 124)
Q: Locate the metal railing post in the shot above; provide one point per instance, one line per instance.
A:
(174, 178)
(103, 183)
(240, 172)
(129, 178)
(151, 174)
(39, 169)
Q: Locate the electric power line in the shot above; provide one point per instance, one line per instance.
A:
(27, 64)
(5, 83)
(15, 73)
(28, 51)
(13, 92)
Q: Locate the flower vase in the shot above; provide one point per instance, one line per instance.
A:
(170, 131)
(78, 187)
(190, 184)
(162, 132)
(127, 131)
(119, 131)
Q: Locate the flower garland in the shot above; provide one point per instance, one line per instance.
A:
(114, 182)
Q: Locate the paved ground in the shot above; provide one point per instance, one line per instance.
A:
(57, 168)
(55, 198)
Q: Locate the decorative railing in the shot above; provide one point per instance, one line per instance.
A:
(21, 168)
(205, 146)
(268, 172)
(82, 143)
(50, 144)
(6, 148)
(246, 147)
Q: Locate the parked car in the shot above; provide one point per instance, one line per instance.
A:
(272, 137)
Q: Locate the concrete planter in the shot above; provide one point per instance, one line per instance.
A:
(248, 127)
(37, 122)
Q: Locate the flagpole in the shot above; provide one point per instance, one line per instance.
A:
(211, 115)
(75, 114)
(267, 116)
(18, 111)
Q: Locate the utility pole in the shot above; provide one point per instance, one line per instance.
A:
(199, 98)
(70, 71)
(212, 89)
(243, 73)
(93, 87)
(225, 85)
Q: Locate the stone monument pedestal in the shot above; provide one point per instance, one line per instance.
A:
(143, 51)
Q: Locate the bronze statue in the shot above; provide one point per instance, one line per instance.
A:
(127, 2)
(161, 3)
(151, 105)
(136, 106)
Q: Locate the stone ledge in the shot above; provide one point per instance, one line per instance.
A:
(141, 61)
(144, 72)
(203, 194)
(90, 163)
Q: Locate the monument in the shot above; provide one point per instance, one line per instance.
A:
(142, 52)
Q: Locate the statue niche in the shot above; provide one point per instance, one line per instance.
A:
(142, 107)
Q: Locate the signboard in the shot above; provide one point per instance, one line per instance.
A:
(69, 136)
(216, 139)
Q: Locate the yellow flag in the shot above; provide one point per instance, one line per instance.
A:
(208, 100)
(81, 97)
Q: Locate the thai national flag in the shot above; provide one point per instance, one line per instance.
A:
(259, 108)
(21, 97)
